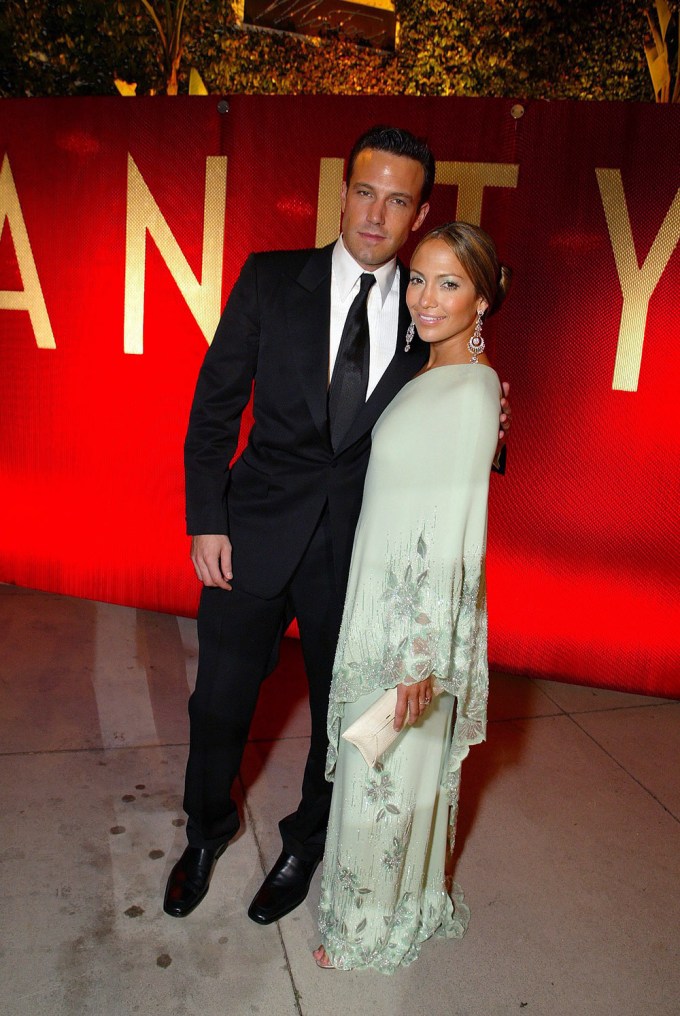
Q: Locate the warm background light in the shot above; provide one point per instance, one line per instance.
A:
(584, 546)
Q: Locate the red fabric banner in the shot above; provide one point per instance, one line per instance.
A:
(125, 223)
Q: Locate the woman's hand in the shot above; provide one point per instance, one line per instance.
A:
(412, 701)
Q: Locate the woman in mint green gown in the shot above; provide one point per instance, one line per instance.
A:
(415, 618)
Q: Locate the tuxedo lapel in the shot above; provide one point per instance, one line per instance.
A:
(401, 368)
(308, 309)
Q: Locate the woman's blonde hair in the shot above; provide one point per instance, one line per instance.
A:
(476, 252)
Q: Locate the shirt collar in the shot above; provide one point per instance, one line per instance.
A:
(347, 271)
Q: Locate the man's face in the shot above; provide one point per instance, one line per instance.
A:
(380, 206)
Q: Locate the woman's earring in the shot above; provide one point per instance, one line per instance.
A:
(476, 341)
(410, 332)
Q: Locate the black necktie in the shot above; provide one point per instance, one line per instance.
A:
(347, 392)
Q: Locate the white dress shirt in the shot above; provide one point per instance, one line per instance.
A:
(382, 308)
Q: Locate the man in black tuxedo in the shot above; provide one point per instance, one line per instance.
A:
(272, 536)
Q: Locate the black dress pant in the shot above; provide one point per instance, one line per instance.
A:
(237, 635)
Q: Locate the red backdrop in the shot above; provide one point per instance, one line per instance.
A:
(110, 280)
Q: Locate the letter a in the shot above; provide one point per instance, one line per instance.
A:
(31, 297)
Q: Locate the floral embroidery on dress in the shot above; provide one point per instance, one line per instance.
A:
(415, 607)
(392, 859)
(434, 913)
(349, 881)
(403, 598)
(381, 791)
(343, 928)
(435, 625)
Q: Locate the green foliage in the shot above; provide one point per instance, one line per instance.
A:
(169, 29)
(55, 48)
(553, 49)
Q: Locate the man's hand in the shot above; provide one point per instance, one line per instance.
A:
(211, 557)
(504, 421)
(506, 414)
(412, 699)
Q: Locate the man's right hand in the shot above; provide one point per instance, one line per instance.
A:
(211, 557)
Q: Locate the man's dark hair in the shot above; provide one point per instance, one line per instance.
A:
(396, 141)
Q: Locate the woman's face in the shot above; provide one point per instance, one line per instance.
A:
(441, 297)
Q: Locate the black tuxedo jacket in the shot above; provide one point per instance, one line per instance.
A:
(275, 332)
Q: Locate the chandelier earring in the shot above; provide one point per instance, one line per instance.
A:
(476, 342)
(410, 332)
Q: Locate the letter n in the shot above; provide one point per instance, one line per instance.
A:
(203, 298)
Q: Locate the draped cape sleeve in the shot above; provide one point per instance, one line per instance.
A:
(416, 598)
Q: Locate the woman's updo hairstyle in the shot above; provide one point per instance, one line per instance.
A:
(476, 252)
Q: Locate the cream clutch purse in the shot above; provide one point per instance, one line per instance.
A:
(374, 731)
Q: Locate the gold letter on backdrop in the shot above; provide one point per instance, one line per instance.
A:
(472, 178)
(204, 298)
(637, 284)
(31, 297)
(328, 208)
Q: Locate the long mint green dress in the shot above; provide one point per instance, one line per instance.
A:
(415, 606)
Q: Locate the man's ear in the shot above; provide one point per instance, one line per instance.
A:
(420, 217)
(343, 196)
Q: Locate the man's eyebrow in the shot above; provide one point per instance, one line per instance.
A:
(393, 194)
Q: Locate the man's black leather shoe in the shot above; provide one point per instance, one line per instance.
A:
(189, 880)
(284, 889)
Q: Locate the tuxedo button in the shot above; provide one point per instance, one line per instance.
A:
(333, 464)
